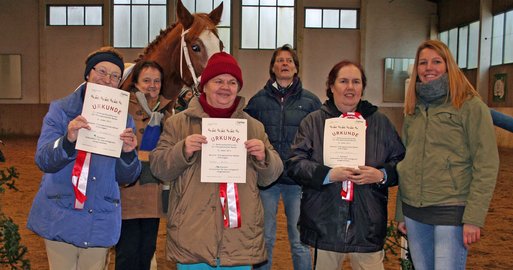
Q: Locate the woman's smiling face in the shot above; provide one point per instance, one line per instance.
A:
(430, 65)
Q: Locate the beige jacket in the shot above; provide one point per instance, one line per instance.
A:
(195, 230)
(143, 201)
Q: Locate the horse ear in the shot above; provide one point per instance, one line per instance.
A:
(215, 15)
(184, 16)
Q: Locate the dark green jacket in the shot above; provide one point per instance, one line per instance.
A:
(451, 159)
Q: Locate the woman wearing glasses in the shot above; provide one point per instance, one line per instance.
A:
(78, 219)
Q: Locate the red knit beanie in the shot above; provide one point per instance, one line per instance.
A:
(221, 63)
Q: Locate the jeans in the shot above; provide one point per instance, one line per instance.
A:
(291, 195)
(436, 247)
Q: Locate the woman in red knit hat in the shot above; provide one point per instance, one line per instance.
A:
(200, 231)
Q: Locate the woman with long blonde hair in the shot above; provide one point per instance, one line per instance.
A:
(448, 175)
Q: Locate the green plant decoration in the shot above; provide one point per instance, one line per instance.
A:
(12, 253)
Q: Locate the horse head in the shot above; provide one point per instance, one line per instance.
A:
(183, 49)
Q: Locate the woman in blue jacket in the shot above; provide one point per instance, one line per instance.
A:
(79, 228)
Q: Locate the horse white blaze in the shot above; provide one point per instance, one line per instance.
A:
(211, 42)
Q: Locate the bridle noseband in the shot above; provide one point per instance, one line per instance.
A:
(184, 53)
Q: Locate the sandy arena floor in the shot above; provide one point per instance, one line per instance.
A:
(492, 252)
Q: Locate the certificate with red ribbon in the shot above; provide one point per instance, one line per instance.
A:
(344, 146)
(224, 156)
(106, 110)
(344, 142)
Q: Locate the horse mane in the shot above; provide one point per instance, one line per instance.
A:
(155, 42)
(194, 30)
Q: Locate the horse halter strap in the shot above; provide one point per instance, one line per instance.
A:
(184, 53)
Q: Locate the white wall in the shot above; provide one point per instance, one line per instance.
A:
(323, 48)
(22, 38)
(391, 29)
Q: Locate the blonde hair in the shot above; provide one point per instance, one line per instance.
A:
(460, 89)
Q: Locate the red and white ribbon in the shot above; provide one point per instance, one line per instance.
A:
(347, 191)
(352, 115)
(229, 195)
(79, 178)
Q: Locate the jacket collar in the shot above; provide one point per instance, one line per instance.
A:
(364, 107)
(293, 89)
(163, 101)
(72, 104)
(195, 110)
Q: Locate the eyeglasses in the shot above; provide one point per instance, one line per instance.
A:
(283, 60)
(114, 76)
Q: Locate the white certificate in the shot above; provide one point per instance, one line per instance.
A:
(224, 156)
(344, 142)
(106, 110)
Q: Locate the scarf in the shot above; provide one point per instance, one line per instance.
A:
(433, 90)
(152, 131)
(283, 91)
(217, 112)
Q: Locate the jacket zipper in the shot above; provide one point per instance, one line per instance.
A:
(349, 220)
(424, 152)
(282, 106)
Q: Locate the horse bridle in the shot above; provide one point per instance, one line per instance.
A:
(184, 53)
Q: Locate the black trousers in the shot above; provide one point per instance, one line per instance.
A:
(137, 243)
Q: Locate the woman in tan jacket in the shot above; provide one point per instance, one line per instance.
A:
(141, 201)
(200, 231)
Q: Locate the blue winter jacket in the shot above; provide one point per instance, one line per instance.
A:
(281, 116)
(52, 215)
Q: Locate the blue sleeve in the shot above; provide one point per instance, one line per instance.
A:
(327, 179)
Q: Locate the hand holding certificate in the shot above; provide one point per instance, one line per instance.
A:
(106, 111)
(344, 142)
(344, 146)
(224, 157)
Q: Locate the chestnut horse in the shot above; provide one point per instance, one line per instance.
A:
(183, 50)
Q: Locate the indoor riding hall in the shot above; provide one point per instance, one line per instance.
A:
(45, 43)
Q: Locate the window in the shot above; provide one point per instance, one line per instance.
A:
(508, 38)
(473, 45)
(453, 42)
(331, 18)
(463, 42)
(137, 22)
(444, 37)
(502, 38)
(497, 39)
(267, 24)
(462, 46)
(74, 15)
(223, 28)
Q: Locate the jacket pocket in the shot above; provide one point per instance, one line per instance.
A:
(450, 170)
(62, 200)
(108, 204)
(448, 118)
